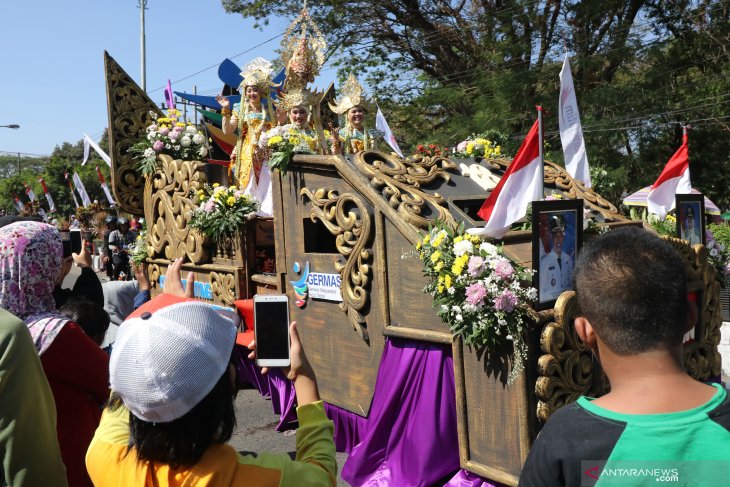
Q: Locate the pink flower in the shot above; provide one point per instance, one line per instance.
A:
(475, 294)
(209, 206)
(173, 135)
(504, 269)
(476, 265)
(461, 146)
(164, 131)
(505, 301)
(158, 145)
(177, 129)
(727, 270)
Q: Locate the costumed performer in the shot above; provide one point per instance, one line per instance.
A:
(251, 117)
(352, 102)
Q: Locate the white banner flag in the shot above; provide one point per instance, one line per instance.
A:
(85, 200)
(108, 194)
(382, 125)
(88, 141)
(571, 133)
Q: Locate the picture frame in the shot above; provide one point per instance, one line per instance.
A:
(690, 209)
(557, 235)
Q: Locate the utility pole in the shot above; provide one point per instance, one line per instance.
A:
(18, 162)
(142, 4)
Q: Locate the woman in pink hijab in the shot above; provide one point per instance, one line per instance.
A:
(31, 263)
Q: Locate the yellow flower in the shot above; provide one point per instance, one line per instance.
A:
(180, 124)
(276, 139)
(427, 238)
(483, 142)
(441, 288)
(294, 140)
(418, 245)
(458, 239)
(202, 197)
(215, 185)
(231, 200)
(474, 239)
(232, 188)
(470, 148)
(439, 266)
(435, 256)
(447, 281)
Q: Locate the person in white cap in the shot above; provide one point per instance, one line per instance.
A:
(172, 406)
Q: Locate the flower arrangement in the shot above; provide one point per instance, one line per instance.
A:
(168, 135)
(87, 216)
(285, 141)
(477, 291)
(138, 250)
(430, 150)
(477, 147)
(718, 248)
(221, 210)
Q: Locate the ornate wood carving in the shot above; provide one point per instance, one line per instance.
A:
(566, 369)
(129, 116)
(167, 205)
(557, 177)
(153, 273)
(354, 232)
(224, 287)
(399, 181)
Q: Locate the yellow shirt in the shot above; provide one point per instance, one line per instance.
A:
(109, 464)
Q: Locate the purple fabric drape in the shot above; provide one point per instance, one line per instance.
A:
(273, 385)
(349, 427)
(411, 436)
(467, 479)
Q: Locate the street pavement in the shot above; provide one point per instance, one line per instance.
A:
(256, 422)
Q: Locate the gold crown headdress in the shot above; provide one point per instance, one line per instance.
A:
(351, 95)
(258, 73)
(297, 98)
(303, 50)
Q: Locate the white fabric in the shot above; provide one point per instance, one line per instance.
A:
(382, 125)
(555, 278)
(51, 204)
(262, 191)
(108, 194)
(661, 199)
(88, 141)
(522, 188)
(30, 193)
(85, 200)
(571, 133)
(165, 365)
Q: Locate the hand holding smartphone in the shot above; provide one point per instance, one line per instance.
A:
(271, 329)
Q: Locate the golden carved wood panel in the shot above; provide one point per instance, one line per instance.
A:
(399, 181)
(129, 115)
(567, 369)
(354, 232)
(167, 207)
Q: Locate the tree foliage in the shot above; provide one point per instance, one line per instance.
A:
(443, 69)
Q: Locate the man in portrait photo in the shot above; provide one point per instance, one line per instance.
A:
(691, 226)
(556, 268)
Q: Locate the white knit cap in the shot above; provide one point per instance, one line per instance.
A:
(169, 354)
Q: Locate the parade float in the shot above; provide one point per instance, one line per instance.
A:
(408, 394)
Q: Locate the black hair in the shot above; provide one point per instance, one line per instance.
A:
(89, 315)
(632, 287)
(184, 441)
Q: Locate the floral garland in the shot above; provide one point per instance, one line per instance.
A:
(283, 142)
(477, 146)
(168, 135)
(477, 291)
(718, 248)
(221, 211)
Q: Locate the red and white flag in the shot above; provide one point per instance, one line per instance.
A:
(104, 186)
(49, 198)
(674, 179)
(571, 133)
(29, 192)
(82, 190)
(71, 187)
(520, 185)
(382, 125)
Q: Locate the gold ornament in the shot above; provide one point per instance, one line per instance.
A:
(303, 51)
(297, 98)
(351, 95)
(258, 73)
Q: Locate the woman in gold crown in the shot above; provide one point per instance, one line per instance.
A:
(251, 117)
(353, 138)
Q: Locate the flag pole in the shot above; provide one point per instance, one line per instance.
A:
(542, 158)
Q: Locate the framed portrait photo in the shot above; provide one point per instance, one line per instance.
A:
(557, 234)
(691, 218)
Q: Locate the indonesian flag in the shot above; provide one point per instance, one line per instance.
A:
(104, 186)
(18, 203)
(29, 192)
(49, 198)
(82, 190)
(71, 187)
(674, 179)
(571, 133)
(382, 125)
(520, 185)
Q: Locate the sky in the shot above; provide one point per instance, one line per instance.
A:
(52, 60)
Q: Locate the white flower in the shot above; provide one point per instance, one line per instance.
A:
(713, 252)
(190, 129)
(203, 151)
(452, 290)
(455, 309)
(463, 247)
(489, 249)
(152, 128)
(532, 293)
(186, 141)
(459, 318)
(151, 136)
(198, 139)
(444, 308)
(168, 146)
(149, 152)
(502, 322)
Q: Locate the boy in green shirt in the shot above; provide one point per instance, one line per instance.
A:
(657, 426)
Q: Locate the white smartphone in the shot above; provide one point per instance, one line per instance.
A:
(271, 329)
